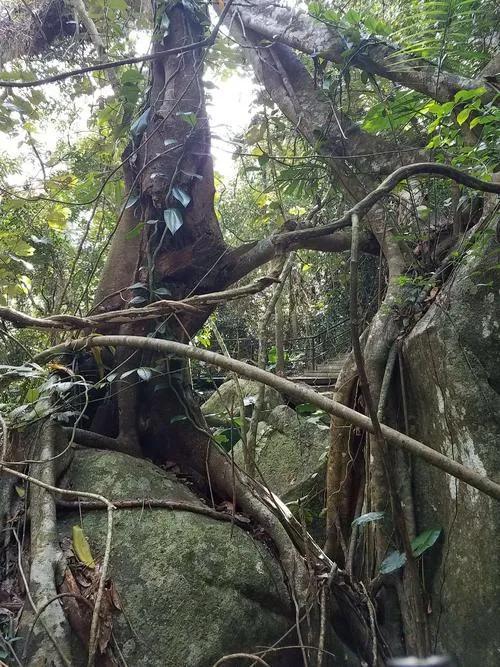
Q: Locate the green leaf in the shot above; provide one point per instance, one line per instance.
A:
(22, 249)
(181, 196)
(130, 76)
(145, 373)
(424, 541)
(178, 418)
(81, 547)
(165, 24)
(353, 17)
(173, 219)
(464, 95)
(58, 217)
(132, 199)
(137, 300)
(393, 562)
(305, 408)
(272, 355)
(137, 128)
(163, 291)
(21, 104)
(463, 115)
(120, 5)
(189, 117)
(191, 175)
(369, 517)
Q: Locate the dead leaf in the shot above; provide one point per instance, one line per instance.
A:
(78, 612)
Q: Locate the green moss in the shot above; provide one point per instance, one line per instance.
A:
(191, 590)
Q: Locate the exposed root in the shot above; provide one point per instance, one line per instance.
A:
(46, 563)
(337, 467)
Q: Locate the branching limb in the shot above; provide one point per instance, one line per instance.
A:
(301, 393)
(127, 315)
(265, 250)
(277, 21)
(209, 41)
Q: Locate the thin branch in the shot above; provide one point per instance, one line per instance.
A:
(127, 315)
(246, 656)
(354, 316)
(299, 392)
(207, 42)
(151, 503)
(268, 248)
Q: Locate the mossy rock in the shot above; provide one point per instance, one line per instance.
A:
(224, 404)
(290, 453)
(192, 588)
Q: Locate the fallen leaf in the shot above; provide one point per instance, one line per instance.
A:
(81, 547)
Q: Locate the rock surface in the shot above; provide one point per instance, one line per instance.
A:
(225, 402)
(453, 384)
(290, 452)
(192, 590)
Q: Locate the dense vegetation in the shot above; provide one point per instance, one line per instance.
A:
(362, 199)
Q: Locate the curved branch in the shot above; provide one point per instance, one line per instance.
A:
(208, 41)
(298, 392)
(260, 253)
(266, 249)
(150, 312)
(294, 27)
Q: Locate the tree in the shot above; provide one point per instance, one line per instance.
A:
(168, 253)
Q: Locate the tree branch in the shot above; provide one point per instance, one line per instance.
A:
(265, 250)
(298, 392)
(278, 22)
(207, 42)
(150, 312)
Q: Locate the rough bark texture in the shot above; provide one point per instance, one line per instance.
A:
(28, 29)
(277, 21)
(451, 362)
(171, 156)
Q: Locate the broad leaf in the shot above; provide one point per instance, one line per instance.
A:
(137, 128)
(181, 196)
(424, 541)
(145, 373)
(173, 219)
(393, 562)
(163, 291)
(132, 199)
(189, 117)
(369, 517)
(137, 300)
(81, 547)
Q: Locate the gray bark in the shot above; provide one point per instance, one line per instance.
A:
(279, 22)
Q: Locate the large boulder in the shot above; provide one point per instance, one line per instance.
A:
(290, 452)
(224, 403)
(453, 383)
(192, 588)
